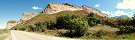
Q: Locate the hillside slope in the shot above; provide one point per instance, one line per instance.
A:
(52, 17)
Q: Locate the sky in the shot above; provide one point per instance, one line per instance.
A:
(13, 9)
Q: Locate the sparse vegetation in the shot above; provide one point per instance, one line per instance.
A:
(3, 33)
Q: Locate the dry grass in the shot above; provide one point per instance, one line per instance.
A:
(3, 34)
(104, 28)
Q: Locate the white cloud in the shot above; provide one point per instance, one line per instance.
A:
(126, 4)
(36, 7)
(119, 13)
(106, 12)
(97, 5)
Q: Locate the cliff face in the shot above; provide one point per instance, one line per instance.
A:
(56, 7)
(94, 10)
(28, 15)
(12, 23)
(25, 17)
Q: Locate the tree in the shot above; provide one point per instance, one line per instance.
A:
(77, 26)
(21, 28)
(92, 21)
(40, 26)
(30, 28)
(124, 21)
(90, 15)
(133, 21)
(50, 25)
(126, 30)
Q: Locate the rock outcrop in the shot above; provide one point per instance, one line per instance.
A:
(57, 7)
(12, 23)
(93, 10)
(25, 17)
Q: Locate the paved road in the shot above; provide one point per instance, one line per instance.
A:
(21, 35)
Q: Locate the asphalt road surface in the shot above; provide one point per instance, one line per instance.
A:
(22, 35)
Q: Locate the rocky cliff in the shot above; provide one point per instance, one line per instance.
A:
(57, 7)
(12, 23)
(25, 17)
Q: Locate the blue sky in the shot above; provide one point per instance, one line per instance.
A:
(13, 9)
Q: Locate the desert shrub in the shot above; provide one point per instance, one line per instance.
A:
(126, 30)
(110, 21)
(124, 21)
(77, 26)
(25, 28)
(92, 20)
(90, 15)
(100, 34)
(64, 21)
(40, 26)
(76, 33)
(133, 21)
(30, 28)
(50, 25)
(21, 28)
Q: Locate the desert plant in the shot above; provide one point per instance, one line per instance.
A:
(92, 20)
(40, 26)
(124, 21)
(21, 28)
(90, 15)
(29, 28)
(50, 25)
(77, 26)
(126, 30)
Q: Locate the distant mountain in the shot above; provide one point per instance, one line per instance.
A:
(122, 16)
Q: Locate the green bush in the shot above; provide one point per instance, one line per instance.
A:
(40, 26)
(77, 26)
(100, 34)
(21, 28)
(126, 30)
(50, 25)
(63, 21)
(25, 28)
(90, 15)
(93, 21)
(124, 21)
(29, 28)
(133, 21)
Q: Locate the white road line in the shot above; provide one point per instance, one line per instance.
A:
(12, 35)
